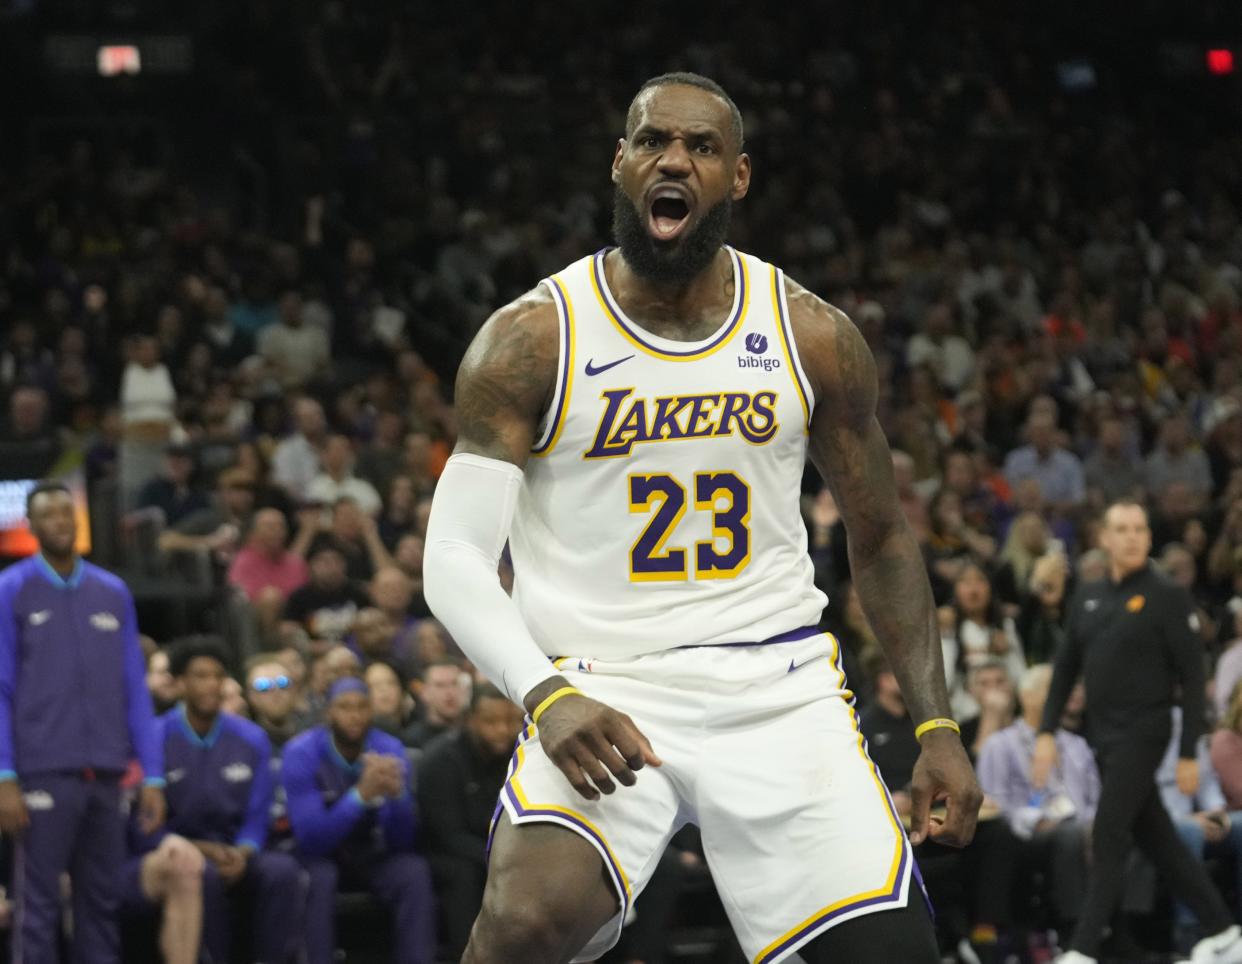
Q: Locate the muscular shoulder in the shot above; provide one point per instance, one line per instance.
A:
(834, 355)
(507, 378)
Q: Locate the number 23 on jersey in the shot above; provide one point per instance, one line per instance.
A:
(724, 494)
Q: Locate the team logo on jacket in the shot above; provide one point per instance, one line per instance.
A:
(39, 800)
(757, 344)
(105, 622)
(1134, 604)
(39, 618)
(175, 776)
(237, 772)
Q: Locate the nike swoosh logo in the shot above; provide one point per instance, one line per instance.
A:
(592, 370)
(793, 666)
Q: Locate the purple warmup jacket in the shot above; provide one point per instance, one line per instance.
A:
(73, 691)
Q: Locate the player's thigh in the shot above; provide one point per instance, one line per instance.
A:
(548, 872)
(905, 934)
(799, 829)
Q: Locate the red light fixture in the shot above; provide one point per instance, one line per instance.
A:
(1220, 62)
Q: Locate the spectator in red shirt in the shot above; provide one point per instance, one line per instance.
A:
(265, 570)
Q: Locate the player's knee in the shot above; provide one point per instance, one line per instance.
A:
(520, 929)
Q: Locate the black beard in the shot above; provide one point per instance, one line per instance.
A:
(677, 263)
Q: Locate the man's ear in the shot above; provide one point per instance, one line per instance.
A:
(616, 160)
(741, 177)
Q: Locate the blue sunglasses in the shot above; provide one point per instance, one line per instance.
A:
(262, 684)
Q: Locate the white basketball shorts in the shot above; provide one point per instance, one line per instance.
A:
(762, 751)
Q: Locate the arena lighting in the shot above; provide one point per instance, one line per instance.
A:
(1220, 61)
(115, 59)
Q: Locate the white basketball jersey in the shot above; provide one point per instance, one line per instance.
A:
(660, 506)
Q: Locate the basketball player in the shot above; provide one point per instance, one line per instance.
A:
(637, 427)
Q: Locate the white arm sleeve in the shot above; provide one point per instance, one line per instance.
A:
(470, 518)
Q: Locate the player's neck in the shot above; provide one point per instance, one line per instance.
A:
(648, 301)
(62, 565)
(200, 723)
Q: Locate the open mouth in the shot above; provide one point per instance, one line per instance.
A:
(669, 216)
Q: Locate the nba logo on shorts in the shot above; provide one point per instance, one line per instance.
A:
(756, 343)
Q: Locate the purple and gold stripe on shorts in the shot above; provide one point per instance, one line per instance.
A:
(553, 813)
(890, 892)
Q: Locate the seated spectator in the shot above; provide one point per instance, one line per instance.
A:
(951, 542)
(375, 637)
(1110, 471)
(1226, 750)
(335, 663)
(250, 457)
(358, 536)
(29, 442)
(1041, 622)
(173, 492)
(380, 461)
(219, 797)
(1028, 539)
(327, 604)
(980, 632)
(397, 518)
(336, 479)
(298, 353)
(216, 529)
(991, 688)
(393, 593)
(408, 557)
(353, 817)
(395, 709)
(1054, 823)
(167, 883)
(265, 562)
(441, 700)
(295, 462)
(1228, 668)
(459, 780)
(1202, 820)
(1057, 470)
(273, 703)
(160, 682)
(1176, 459)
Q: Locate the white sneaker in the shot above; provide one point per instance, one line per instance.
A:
(1222, 948)
(1075, 957)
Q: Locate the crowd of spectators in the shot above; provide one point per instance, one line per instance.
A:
(259, 381)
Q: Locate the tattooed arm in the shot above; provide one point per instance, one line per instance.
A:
(848, 447)
(505, 384)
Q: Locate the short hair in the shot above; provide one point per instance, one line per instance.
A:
(189, 648)
(403, 679)
(685, 78)
(485, 691)
(1125, 502)
(260, 659)
(440, 661)
(45, 487)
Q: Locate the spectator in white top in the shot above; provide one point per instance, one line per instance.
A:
(147, 393)
(297, 352)
(948, 354)
(1174, 459)
(296, 459)
(337, 480)
(148, 414)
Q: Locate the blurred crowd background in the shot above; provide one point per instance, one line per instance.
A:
(235, 297)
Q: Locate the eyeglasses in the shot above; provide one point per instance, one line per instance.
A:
(262, 684)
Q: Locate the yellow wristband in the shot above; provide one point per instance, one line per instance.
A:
(552, 698)
(941, 723)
